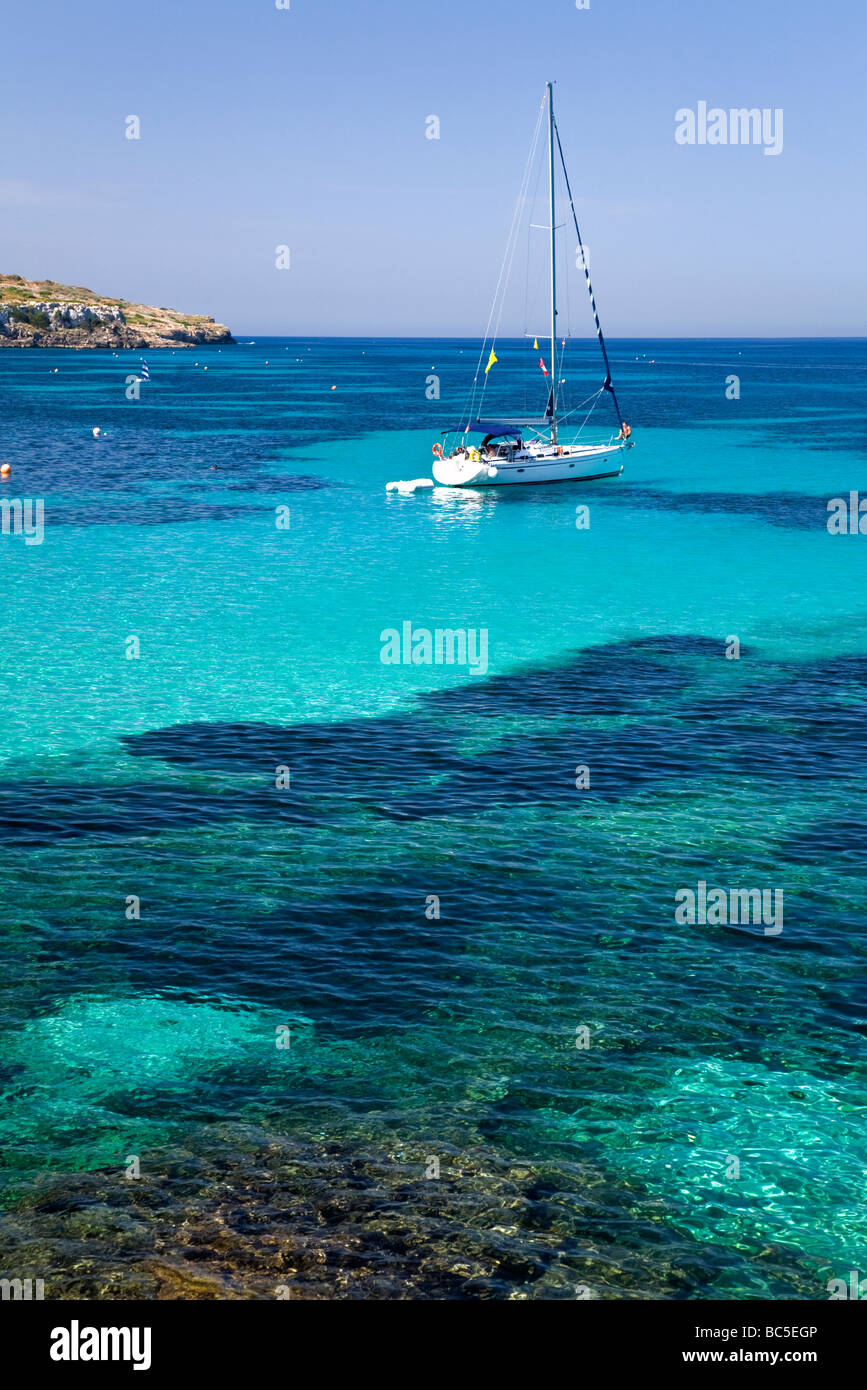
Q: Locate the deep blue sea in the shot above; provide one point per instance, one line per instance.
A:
(322, 973)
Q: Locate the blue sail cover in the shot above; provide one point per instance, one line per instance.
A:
(493, 427)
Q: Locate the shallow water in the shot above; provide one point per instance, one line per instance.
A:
(414, 1036)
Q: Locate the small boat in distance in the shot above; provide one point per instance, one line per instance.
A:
(535, 450)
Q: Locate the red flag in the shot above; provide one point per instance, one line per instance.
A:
(542, 365)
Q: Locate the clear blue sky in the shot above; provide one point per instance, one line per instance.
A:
(306, 127)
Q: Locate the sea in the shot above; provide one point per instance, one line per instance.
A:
(328, 975)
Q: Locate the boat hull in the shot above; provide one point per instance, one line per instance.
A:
(572, 466)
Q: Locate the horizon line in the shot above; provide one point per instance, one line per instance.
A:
(610, 338)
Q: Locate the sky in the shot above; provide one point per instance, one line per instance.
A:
(305, 127)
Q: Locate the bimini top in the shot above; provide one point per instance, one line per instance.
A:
(491, 427)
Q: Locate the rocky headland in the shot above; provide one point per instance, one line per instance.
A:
(43, 313)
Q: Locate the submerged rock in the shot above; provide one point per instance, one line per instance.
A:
(241, 1214)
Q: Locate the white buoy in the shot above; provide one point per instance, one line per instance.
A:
(96, 431)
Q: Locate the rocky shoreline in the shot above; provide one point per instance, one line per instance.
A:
(43, 314)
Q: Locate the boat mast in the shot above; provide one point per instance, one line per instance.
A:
(553, 267)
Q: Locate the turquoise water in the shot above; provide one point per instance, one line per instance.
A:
(416, 1036)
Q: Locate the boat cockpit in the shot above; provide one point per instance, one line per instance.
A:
(493, 449)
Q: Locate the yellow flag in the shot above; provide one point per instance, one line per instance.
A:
(535, 344)
(491, 360)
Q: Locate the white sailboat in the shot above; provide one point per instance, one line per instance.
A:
(540, 450)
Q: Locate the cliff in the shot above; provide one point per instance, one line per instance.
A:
(42, 313)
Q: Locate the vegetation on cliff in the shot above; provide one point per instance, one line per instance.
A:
(44, 313)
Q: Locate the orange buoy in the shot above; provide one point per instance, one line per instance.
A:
(5, 470)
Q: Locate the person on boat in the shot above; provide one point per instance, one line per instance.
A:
(625, 431)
